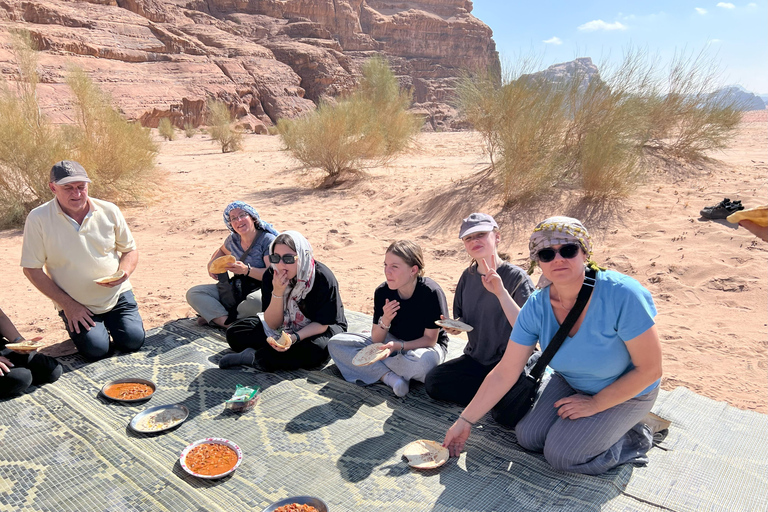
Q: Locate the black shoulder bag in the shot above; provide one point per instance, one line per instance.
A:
(519, 400)
(233, 290)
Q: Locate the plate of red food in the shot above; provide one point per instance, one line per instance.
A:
(211, 458)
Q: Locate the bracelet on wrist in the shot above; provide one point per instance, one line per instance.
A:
(298, 338)
(17, 339)
(277, 296)
(465, 419)
(247, 272)
(402, 347)
(383, 325)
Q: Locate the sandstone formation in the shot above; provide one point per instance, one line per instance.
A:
(268, 59)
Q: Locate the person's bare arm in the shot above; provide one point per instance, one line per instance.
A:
(76, 313)
(7, 329)
(756, 229)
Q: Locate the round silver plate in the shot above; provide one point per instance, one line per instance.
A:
(137, 420)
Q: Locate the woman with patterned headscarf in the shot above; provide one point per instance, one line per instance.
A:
(588, 417)
(301, 301)
(248, 242)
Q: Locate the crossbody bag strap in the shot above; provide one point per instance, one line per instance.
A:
(567, 325)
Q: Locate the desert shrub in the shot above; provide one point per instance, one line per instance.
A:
(119, 154)
(593, 133)
(29, 145)
(221, 129)
(369, 127)
(165, 129)
(189, 130)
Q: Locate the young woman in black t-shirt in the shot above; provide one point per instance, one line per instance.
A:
(405, 306)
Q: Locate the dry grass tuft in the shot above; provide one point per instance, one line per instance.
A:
(221, 129)
(593, 134)
(369, 127)
(165, 129)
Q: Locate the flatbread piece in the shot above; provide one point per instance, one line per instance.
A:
(758, 215)
(219, 265)
(284, 340)
(109, 279)
(26, 346)
(425, 454)
(370, 354)
(454, 324)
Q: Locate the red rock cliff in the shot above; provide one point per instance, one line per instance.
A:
(267, 58)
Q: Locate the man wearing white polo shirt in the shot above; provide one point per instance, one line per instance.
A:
(69, 243)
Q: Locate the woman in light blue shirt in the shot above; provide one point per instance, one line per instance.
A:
(588, 418)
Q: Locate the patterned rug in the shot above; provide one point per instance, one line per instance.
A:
(63, 448)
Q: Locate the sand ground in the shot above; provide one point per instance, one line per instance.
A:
(709, 279)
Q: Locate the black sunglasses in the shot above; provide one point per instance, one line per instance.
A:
(567, 251)
(288, 259)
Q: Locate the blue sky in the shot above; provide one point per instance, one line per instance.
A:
(735, 33)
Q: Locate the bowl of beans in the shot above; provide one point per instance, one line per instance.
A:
(129, 390)
(211, 458)
(298, 504)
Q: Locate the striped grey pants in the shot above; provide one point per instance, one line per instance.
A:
(591, 445)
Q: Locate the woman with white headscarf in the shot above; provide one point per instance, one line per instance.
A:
(588, 418)
(301, 298)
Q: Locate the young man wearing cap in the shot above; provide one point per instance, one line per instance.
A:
(78, 240)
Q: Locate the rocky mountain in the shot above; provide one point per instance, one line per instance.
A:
(268, 59)
(743, 98)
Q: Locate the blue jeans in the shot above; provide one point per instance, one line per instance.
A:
(123, 322)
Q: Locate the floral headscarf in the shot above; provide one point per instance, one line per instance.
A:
(260, 224)
(293, 318)
(557, 231)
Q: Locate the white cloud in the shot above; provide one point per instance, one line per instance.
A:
(553, 40)
(726, 5)
(601, 25)
(700, 10)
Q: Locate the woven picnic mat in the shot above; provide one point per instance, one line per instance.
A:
(62, 447)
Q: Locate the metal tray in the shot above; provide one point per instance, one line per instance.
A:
(137, 420)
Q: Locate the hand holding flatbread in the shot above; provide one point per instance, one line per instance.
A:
(758, 215)
(26, 346)
(283, 342)
(425, 454)
(219, 265)
(454, 325)
(370, 354)
(111, 279)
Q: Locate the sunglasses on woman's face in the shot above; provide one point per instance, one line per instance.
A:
(288, 259)
(567, 251)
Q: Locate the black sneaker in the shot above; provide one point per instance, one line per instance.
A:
(721, 210)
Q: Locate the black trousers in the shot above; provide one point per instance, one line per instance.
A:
(458, 380)
(308, 353)
(37, 369)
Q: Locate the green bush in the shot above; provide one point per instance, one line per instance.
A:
(29, 145)
(595, 133)
(165, 129)
(118, 154)
(220, 127)
(369, 127)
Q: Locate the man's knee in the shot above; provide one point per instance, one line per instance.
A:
(131, 338)
(93, 344)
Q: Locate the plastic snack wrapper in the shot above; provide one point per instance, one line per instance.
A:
(243, 399)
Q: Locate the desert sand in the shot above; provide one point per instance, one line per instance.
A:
(709, 279)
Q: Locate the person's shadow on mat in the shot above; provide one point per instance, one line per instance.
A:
(493, 482)
(341, 407)
(358, 461)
